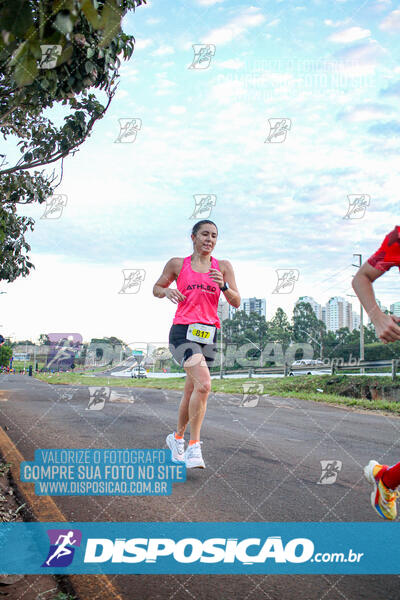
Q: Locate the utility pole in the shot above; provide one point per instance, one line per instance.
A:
(362, 371)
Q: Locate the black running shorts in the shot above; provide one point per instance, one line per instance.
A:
(181, 348)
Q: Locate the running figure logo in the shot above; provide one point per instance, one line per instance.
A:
(54, 206)
(357, 206)
(132, 280)
(62, 350)
(251, 394)
(330, 471)
(128, 130)
(286, 280)
(203, 54)
(50, 53)
(62, 542)
(203, 205)
(98, 397)
(278, 129)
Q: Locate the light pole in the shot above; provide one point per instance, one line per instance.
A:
(361, 318)
(362, 370)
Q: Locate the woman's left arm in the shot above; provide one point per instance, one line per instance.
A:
(226, 275)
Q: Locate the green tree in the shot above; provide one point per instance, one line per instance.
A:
(5, 355)
(279, 329)
(85, 42)
(307, 327)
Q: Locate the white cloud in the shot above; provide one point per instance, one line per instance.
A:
(361, 58)
(226, 90)
(365, 112)
(247, 19)
(163, 84)
(232, 63)
(208, 2)
(128, 72)
(177, 110)
(391, 23)
(153, 21)
(163, 50)
(352, 34)
(330, 23)
(141, 44)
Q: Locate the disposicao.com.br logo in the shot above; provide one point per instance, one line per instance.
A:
(247, 551)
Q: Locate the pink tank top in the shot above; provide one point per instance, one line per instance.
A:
(202, 295)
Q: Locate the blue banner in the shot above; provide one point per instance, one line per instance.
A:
(102, 472)
(205, 548)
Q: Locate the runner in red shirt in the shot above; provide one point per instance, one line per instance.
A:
(385, 479)
(200, 278)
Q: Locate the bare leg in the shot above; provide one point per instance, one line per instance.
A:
(199, 375)
(183, 414)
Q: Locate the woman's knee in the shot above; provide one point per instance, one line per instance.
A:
(203, 386)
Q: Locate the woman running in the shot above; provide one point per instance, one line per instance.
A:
(200, 278)
(385, 479)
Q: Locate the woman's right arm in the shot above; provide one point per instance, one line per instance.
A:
(169, 274)
(386, 328)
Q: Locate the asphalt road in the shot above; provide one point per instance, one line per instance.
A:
(263, 464)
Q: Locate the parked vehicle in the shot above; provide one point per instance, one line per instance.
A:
(138, 373)
(310, 367)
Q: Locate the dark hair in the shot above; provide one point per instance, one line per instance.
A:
(197, 225)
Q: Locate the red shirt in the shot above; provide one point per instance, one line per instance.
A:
(388, 255)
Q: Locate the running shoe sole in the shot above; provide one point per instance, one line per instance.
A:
(203, 466)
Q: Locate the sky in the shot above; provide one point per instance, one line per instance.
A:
(288, 119)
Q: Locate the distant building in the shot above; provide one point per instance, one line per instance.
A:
(226, 311)
(339, 313)
(317, 308)
(395, 308)
(256, 305)
(356, 320)
(223, 310)
(383, 308)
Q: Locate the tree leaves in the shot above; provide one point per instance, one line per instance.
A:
(26, 69)
(16, 17)
(110, 22)
(50, 51)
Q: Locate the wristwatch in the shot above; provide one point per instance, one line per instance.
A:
(225, 287)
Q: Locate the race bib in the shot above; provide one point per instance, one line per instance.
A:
(197, 332)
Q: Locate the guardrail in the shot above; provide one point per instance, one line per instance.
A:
(333, 368)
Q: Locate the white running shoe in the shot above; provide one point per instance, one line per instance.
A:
(193, 457)
(177, 448)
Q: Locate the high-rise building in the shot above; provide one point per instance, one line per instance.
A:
(395, 308)
(317, 308)
(223, 309)
(249, 305)
(356, 320)
(383, 308)
(256, 305)
(339, 313)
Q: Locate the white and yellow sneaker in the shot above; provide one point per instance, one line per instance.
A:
(383, 500)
